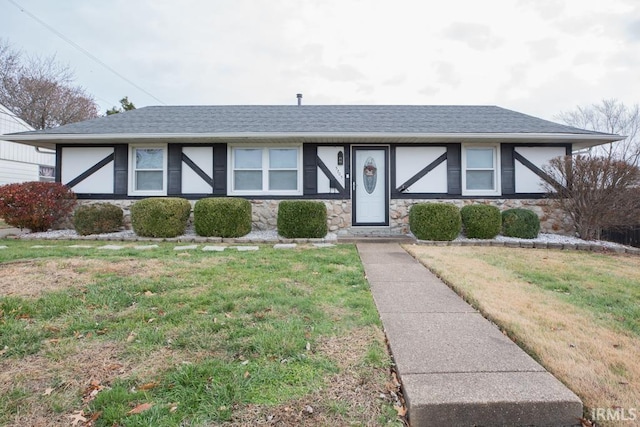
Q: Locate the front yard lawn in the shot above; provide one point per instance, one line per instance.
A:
(577, 313)
(160, 337)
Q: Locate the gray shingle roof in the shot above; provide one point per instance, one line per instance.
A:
(338, 119)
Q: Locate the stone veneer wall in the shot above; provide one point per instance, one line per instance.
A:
(265, 212)
(552, 220)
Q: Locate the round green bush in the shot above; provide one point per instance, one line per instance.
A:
(481, 221)
(97, 218)
(435, 221)
(302, 219)
(521, 223)
(222, 217)
(160, 217)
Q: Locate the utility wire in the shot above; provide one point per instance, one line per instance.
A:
(81, 49)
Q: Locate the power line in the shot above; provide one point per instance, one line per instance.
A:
(83, 50)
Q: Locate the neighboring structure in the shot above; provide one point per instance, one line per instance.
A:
(369, 164)
(19, 162)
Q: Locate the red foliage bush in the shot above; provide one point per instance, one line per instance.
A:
(35, 205)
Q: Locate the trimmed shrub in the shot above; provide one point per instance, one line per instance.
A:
(35, 205)
(521, 223)
(302, 219)
(481, 221)
(435, 221)
(160, 217)
(97, 218)
(222, 217)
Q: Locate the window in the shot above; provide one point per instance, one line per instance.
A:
(47, 173)
(148, 170)
(480, 171)
(266, 170)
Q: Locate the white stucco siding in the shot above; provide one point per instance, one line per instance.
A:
(77, 160)
(329, 156)
(191, 181)
(526, 180)
(411, 160)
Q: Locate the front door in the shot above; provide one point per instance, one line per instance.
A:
(370, 186)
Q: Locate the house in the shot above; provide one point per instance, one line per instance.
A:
(19, 162)
(368, 163)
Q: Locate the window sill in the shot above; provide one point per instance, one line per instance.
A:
(481, 193)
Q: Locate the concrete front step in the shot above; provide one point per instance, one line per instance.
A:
(456, 367)
(398, 238)
(373, 235)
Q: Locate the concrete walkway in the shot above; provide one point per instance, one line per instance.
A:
(457, 368)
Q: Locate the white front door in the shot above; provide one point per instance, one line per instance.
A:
(370, 191)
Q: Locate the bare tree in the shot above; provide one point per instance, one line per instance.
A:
(609, 116)
(41, 91)
(598, 188)
(596, 192)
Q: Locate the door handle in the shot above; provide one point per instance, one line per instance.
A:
(353, 185)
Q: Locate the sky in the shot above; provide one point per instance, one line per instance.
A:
(539, 57)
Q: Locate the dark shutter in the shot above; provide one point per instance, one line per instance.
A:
(220, 169)
(120, 169)
(59, 163)
(454, 169)
(507, 169)
(174, 170)
(310, 169)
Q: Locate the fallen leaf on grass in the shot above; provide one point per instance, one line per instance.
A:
(94, 417)
(401, 410)
(47, 391)
(148, 386)
(247, 374)
(173, 407)
(148, 293)
(140, 408)
(77, 417)
(92, 391)
(131, 337)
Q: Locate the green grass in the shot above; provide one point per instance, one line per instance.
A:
(249, 324)
(594, 282)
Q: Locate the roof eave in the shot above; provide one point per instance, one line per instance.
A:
(49, 140)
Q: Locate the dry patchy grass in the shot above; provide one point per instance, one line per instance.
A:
(595, 358)
(32, 278)
(198, 311)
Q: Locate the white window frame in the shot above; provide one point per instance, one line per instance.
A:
(265, 171)
(497, 190)
(132, 170)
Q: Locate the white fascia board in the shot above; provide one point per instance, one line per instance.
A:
(308, 136)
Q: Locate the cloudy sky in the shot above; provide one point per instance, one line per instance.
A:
(535, 56)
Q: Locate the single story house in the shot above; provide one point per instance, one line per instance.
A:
(368, 163)
(19, 162)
